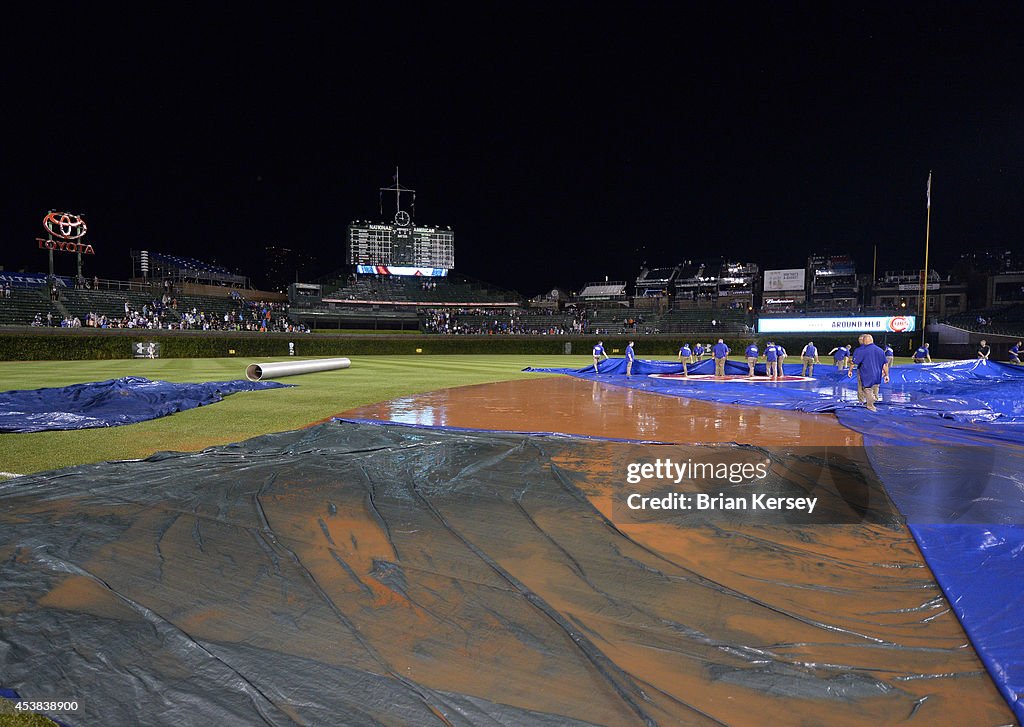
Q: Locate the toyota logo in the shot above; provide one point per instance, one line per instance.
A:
(65, 226)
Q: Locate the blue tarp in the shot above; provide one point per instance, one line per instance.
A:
(948, 443)
(965, 391)
(110, 403)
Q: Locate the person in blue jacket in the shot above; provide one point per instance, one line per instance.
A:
(598, 353)
(889, 355)
(871, 370)
(752, 355)
(698, 351)
(684, 357)
(771, 357)
(809, 356)
(721, 352)
(630, 358)
(922, 355)
(1015, 352)
(839, 354)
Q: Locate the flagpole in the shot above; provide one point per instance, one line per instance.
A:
(927, 235)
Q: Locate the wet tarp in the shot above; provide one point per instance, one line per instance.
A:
(948, 443)
(967, 391)
(361, 574)
(110, 403)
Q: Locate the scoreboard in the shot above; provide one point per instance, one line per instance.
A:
(400, 246)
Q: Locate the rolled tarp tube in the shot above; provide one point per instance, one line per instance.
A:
(261, 371)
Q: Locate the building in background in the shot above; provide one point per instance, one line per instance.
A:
(832, 283)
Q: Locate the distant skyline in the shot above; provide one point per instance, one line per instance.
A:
(561, 144)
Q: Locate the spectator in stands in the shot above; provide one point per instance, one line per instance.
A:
(922, 355)
(872, 369)
(1015, 352)
(598, 353)
(809, 356)
(685, 356)
(630, 357)
(984, 350)
(721, 352)
(752, 355)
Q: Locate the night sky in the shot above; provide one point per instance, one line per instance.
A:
(561, 144)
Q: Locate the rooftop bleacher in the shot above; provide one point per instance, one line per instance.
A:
(181, 267)
(603, 291)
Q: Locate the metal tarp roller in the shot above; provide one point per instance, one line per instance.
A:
(261, 371)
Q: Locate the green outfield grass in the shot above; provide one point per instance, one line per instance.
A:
(314, 397)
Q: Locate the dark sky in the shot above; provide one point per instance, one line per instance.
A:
(562, 144)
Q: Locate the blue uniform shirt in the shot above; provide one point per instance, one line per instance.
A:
(685, 352)
(1015, 349)
(699, 351)
(888, 351)
(629, 353)
(771, 353)
(752, 351)
(869, 360)
(811, 351)
(840, 354)
(599, 350)
(721, 350)
(921, 353)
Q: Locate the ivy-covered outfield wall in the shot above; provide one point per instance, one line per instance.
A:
(48, 345)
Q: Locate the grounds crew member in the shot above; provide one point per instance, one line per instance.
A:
(871, 370)
(685, 355)
(598, 353)
(810, 357)
(752, 356)
(720, 351)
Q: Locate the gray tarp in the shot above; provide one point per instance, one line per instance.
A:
(360, 574)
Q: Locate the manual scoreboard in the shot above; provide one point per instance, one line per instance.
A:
(400, 246)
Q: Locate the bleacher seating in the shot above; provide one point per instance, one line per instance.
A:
(695, 322)
(111, 303)
(23, 305)
(402, 289)
(499, 321)
(1003, 320)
